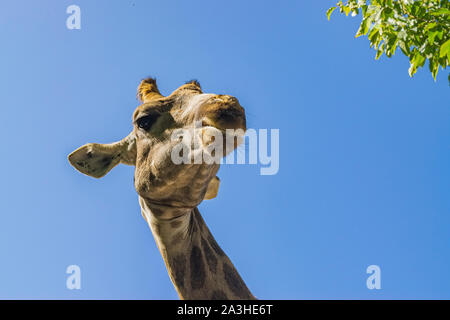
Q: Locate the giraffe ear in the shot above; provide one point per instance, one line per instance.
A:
(213, 189)
(96, 160)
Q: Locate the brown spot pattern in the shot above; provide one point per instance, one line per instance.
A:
(234, 281)
(192, 227)
(156, 228)
(197, 268)
(178, 266)
(157, 212)
(210, 256)
(219, 295)
(175, 224)
(177, 239)
(145, 153)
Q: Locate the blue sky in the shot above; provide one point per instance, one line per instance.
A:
(364, 150)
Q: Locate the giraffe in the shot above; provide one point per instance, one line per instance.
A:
(169, 193)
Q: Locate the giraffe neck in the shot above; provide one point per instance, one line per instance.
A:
(196, 264)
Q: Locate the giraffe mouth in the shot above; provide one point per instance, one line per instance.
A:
(165, 203)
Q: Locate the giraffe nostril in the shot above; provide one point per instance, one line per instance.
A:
(226, 115)
(230, 113)
(231, 117)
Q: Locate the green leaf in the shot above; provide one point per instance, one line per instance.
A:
(364, 9)
(440, 12)
(402, 35)
(412, 69)
(373, 35)
(445, 49)
(421, 60)
(430, 26)
(417, 61)
(377, 16)
(341, 6)
(391, 44)
(434, 68)
(431, 36)
(442, 61)
(388, 13)
(329, 12)
(404, 47)
(364, 27)
(346, 10)
(379, 51)
(394, 47)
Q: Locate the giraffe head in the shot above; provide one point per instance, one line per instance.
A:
(160, 127)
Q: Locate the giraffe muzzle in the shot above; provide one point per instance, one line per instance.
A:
(224, 112)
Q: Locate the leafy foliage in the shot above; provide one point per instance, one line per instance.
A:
(421, 29)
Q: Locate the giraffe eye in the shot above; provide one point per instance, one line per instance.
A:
(146, 122)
